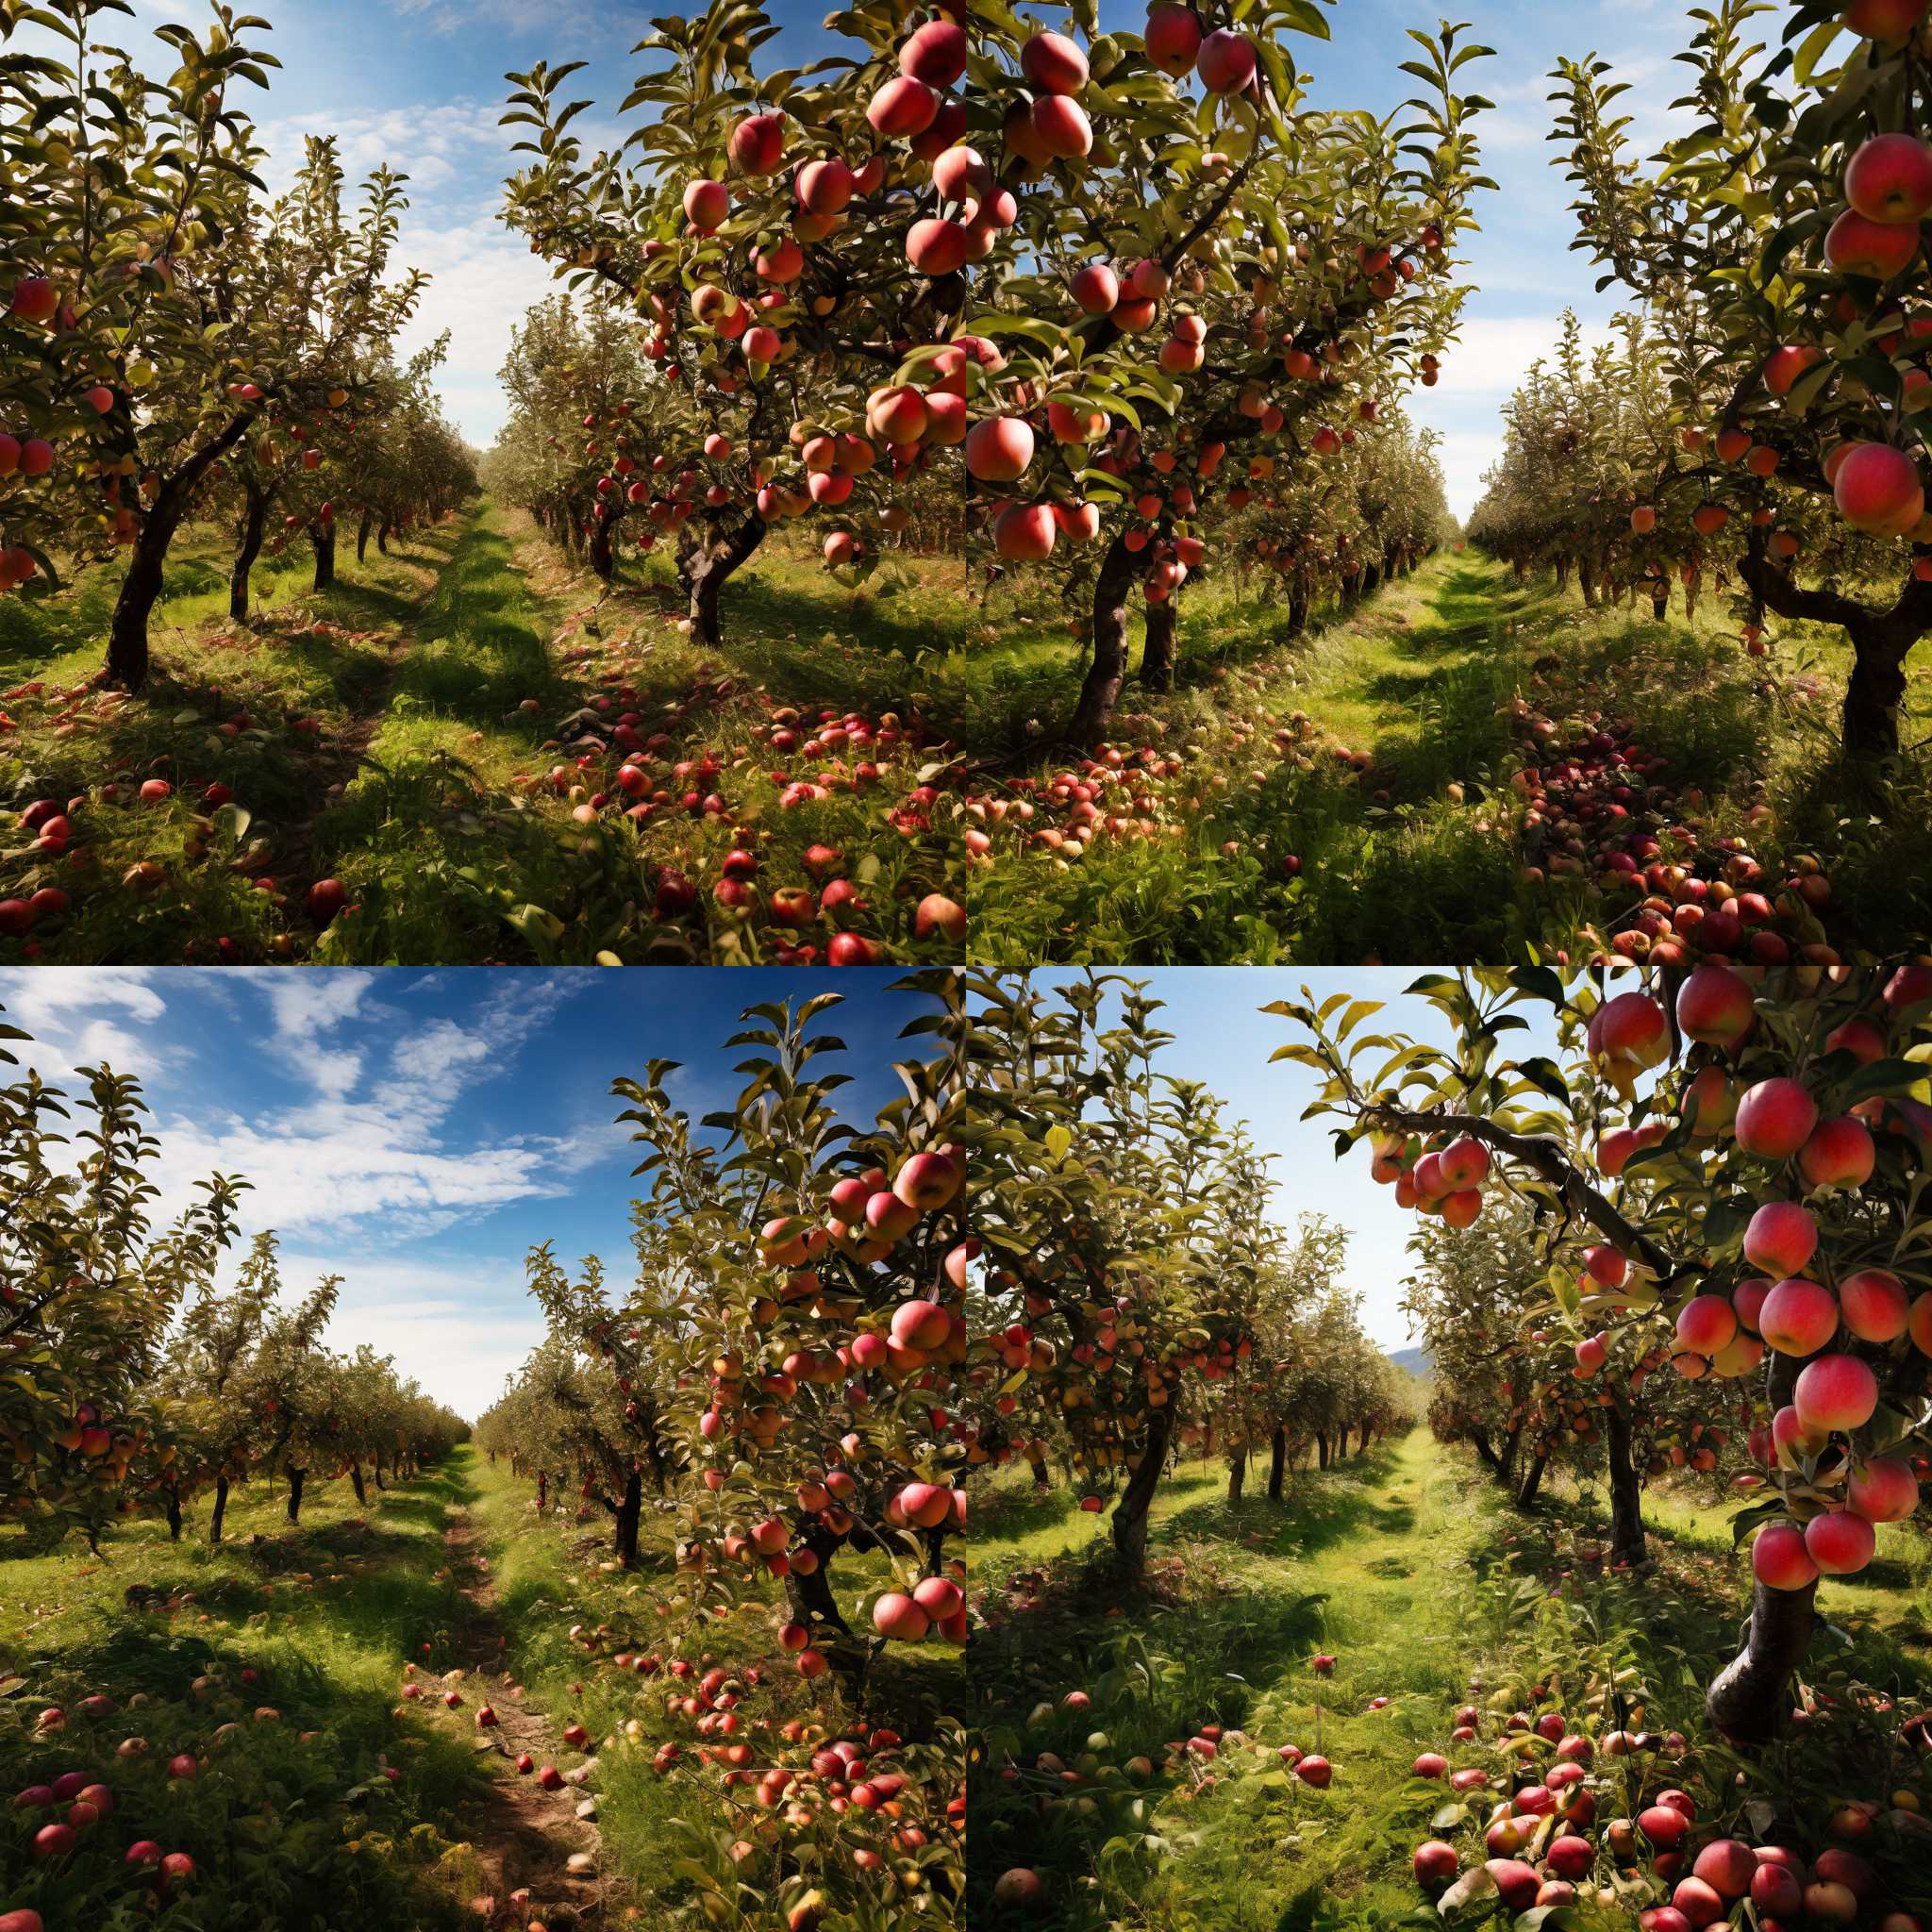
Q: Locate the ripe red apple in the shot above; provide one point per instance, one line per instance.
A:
(1890, 179)
(1706, 1324)
(1172, 38)
(1781, 1238)
(1875, 1304)
(1780, 1559)
(1020, 1887)
(896, 1615)
(999, 449)
(1436, 1864)
(757, 143)
(1024, 532)
(1884, 1489)
(1840, 1542)
(1052, 64)
(1095, 288)
(1877, 488)
(1884, 20)
(1798, 1317)
(935, 54)
(1714, 1006)
(1838, 1154)
(937, 913)
(1835, 1391)
(1225, 62)
(1775, 1118)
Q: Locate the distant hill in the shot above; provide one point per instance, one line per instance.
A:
(1415, 1360)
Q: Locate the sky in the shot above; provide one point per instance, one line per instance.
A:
(419, 83)
(418, 1133)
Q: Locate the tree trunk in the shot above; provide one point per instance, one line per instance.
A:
(1874, 693)
(363, 530)
(174, 1516)
(705, 567)
(1532, 1480)
(1040, 1480)
(1156, 659)
(376, 1461)
(382, 535)
(1102, 689)
(253, 521)
(1321, 1450)
(1562, 572)
(1660, 601)
(601, 562)
(624, 1542)
(1130, 1512)
(357, 1483)
(1237, 1473)
(322, 537)
(1277, 1461)
(1748, 1701)
(1588, 585)
(141, 590)
(297, 1478)
(1298, 605)
(1626, 1499)
(214, 1522)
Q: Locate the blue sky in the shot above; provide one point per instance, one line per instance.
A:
(419, 83)
(418, 1132)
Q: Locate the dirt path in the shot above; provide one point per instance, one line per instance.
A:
(526, 1838)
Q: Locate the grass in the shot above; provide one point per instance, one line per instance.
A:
(1407, 1567)
(294, 1818)
(443, 734)
(664, 1831)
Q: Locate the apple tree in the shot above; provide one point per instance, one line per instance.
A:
(1781, 234)
(89, 1288)
(1751, 1142)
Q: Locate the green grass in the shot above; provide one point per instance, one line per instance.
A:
(1408, 1569)
(555, 1573)
(1340, 796)
(292, 1819)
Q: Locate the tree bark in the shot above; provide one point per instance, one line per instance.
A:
(1626, 1498)
(363, 530)
(357, 1483)
(1532, 1480)
(1104, 675)
(1040, 1480)
(382, 535)
(141, 588)
(214, 1522)
(1130, 1513)
(1157, 657)
(1277, 1461)
(1298, 605)
(1321, 1450)
(298, 1478)
(1237, 1473)
(253, 521)
(601, 560)
(704, 567)
(624, 1542)
(174, 1516)
(1748, 1701)
(322, 537)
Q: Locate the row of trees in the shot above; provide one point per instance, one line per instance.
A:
(138, 1381)
(1760, 424)
(1101, 287)
(1709, 1193)
(176, 343)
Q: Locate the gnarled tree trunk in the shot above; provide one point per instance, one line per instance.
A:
(1749, 1700)
(1130, 1512)
(1157, 657)
(623, 1542)
(214, 1522)
(322, 537)
(254, 522)
(1237, 1473)
(1532, 1479)
(357, 1483)
(704, 566)
(1104, 675)
(1278, 1463)
(297, 1479)
(1626, 1498)
(363, 530)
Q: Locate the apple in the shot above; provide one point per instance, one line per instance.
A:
(1775, 1118)
(1020, 1886)
(1798, 1317)
(1840, 1542)
(1836, 1392)
(1436, 1864)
